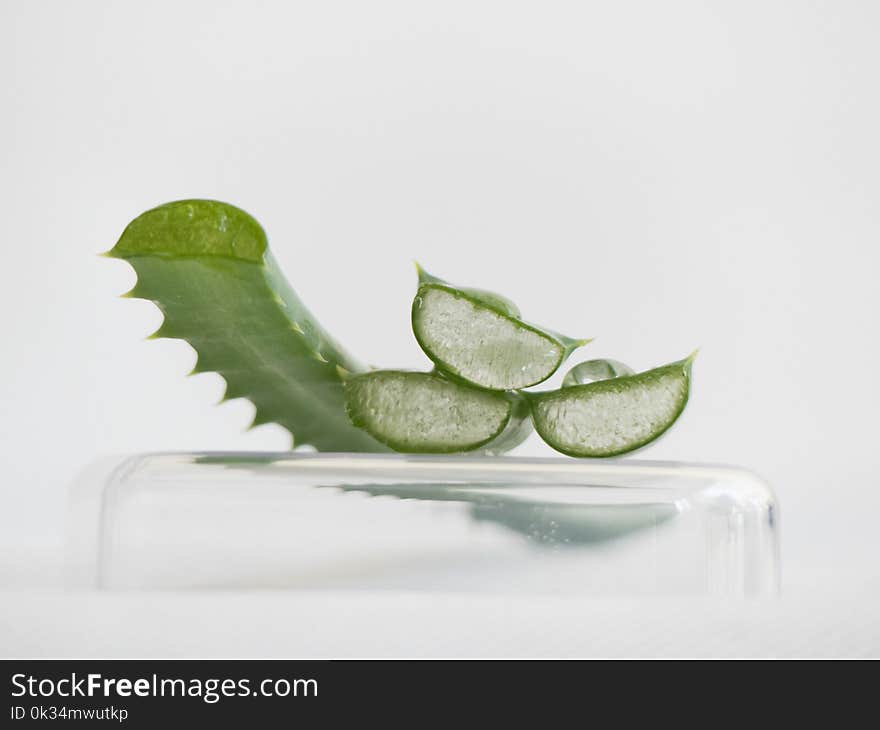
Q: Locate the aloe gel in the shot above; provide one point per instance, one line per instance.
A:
(479, 337)
(612, 416)
(427, 413)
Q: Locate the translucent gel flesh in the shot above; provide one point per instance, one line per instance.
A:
(613, 419)
(423, 412)
(482, 346)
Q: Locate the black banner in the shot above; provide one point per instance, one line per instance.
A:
(169, 693)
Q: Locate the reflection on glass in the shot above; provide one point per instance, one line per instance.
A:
(541, 522)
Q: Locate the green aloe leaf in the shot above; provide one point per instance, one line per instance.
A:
(612, 416)
(430, 414)
(208, 268)
(478, 337)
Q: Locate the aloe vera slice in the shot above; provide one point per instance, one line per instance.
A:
(430, 414)
(613, 416)
(208, 268)
(593, 370)
(478, 337)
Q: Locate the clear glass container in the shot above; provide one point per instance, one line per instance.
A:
(300, 521)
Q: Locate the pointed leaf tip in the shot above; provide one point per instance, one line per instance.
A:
(424, 276)
(572, 344)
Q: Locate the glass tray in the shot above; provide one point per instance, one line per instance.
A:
(301, 521)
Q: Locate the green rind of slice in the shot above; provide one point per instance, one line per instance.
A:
(207, 266)
(491, 299)
(614, 416)
(425, 413)
(478, 337)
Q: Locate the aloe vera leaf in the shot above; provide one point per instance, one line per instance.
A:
(430, 414)
(208, 268)
(593, 370)
(479, 338)
(613, 416)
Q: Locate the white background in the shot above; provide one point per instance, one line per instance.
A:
(660, 176)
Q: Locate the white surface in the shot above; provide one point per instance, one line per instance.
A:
(659, 176)
(829, 608)
(322, 625)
